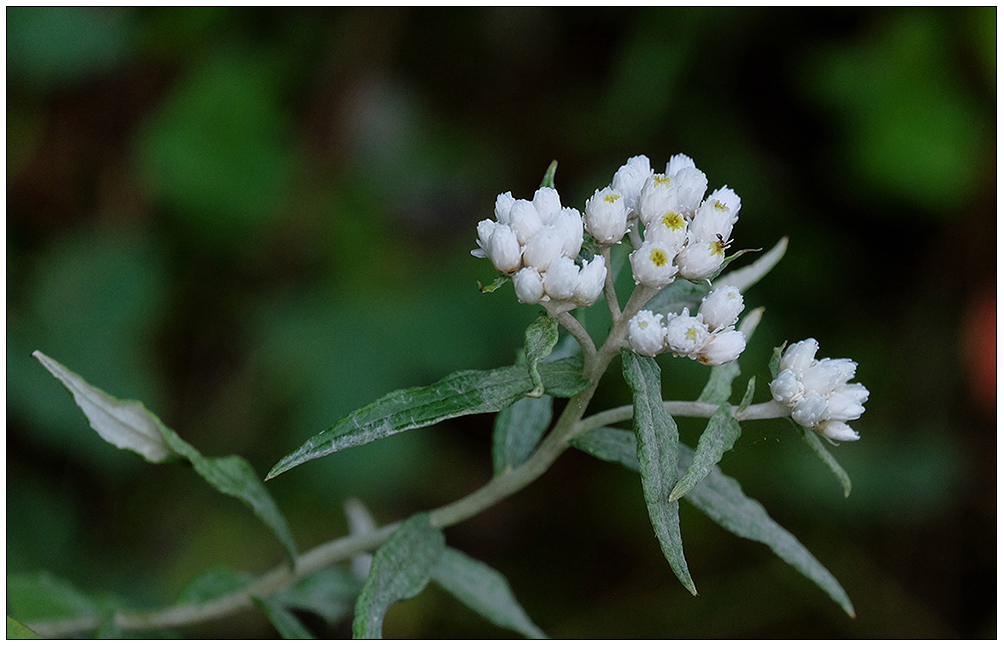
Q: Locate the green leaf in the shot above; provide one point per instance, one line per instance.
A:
(42, 595)
(361, 523)
(330, 593)
(124, 424)
(285, 622)
(548, 181)
(775, 361)
(658, 455)
(813, 440)
(485, 591)
(462, 393)
(540, 339)
(718, 437)
(402, 567)
(213, 584)
(500, 280)
(17, 630)
(751, 274)
(718, 390)
(748, 395)
(677, 295)
(722, 499)
(518, 428)
(129, 425)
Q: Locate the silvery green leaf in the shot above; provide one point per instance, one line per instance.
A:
(213, 584)
(461, 393)
(816, 443)
(718, 437)
(330, 593)
(402, 567)
(718, 390)
(748, 395)
(751, 274)
(129, 425)
(658, 455)
(518, 428)
(722, 499)
(548, 181)
(485, 591)
(540, 339)
(361, 522)
(774, 365)
(124, 424)
(677, 295)
(285, 622)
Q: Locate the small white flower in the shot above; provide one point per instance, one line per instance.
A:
(686, 334)
(689, 186)
(786, 387)
(606, 216)
(825, 375)
(591, 279)
(652, 264)
(722, 347)
(837, 431)
(543, 248)
(529, 285)
(700, 258)
(717, 215)
(656, 198)
(524, 220)
(678, 163)
(799, 356)
(646, 334)
(721, 308)
(846, 402)
(504, 249)
(670, 229)
(547, 203)
(561, 279)
(568, 221)
(485, 230)
(629, 179)
(503, 204)
(810, 410)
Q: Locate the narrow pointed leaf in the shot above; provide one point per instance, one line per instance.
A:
(722, 499)
(548, 181)
(718, 437)
(680, 293)
(361, 522)
(540, 339)
(124, 424)
(518, 428)
(283, 620)
(129, 425)
(718, 390)
(17, 630)
(485, 591)
(747, 276)
(816, 444)
(658, 455)
(330, 593)
(402, 567)
(462, 393)
(748, 395)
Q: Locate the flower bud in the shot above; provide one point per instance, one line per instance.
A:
(837, 431)
(652, 264)
(646, 334)
(799, 356)
(700, 258)
(529, 285)
(629, 179)
(503, 204)
(561, 279)
(717, 215)
(678, 163)
(686, 334)
(547, 203)
(524, 220)
(656, 198)
(485, 230)
(504, 250)
(606, 216)
(845, 403)
(722, 347)
(786, 387)
(689, 186)
(591, 279)
(825, 375)
(569, 223)
(543, 248)
(721, 308)
(811, 410)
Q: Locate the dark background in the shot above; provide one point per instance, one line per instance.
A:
(256, 221)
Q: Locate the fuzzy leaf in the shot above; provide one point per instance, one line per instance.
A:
(124, 424)
(718, 437)
(678, 295)
(402, 567)
(816, 443)
(540, 339)
(722, 499)
(658, 455)
(485, 591)
(751, 274)
(285, 622)
(718, 390)
(748, 395)
(461, 393)
(548, 181)
(518, 428)
(330, 593)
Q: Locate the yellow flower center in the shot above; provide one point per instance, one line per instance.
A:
(691, 333)
(612, 198)
(721, 206)
(658, 257)
(672, 220)
(717, 247)
(659, 180)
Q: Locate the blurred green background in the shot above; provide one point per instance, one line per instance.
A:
(258, 220)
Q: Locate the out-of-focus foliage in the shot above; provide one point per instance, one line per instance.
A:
(258, 220)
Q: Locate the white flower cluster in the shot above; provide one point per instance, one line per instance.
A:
(685, 234)
(536, 243)
(710, 336)
(818, 391)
